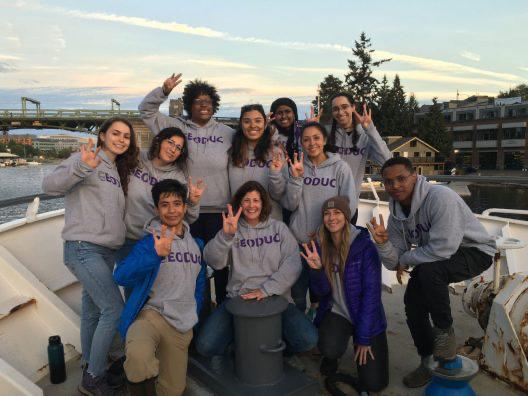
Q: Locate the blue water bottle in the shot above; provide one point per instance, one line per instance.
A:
(57, 366)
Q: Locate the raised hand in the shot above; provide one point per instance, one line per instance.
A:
(254, 294)
(170, 83)
(195, 190)
(88, 156)
(277, 161)
(312, 256)
(378, 231)
(316, 118)
(364, 119)
(297, 166)
(230, 222)
(163, 242)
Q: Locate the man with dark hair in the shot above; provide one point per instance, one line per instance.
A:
(209, 143)
(167, 278)
(432, 231)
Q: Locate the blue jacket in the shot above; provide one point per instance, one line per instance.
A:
(139, 270)
(362, 288)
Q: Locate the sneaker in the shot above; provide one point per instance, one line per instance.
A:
(419, 377)
(328, 367)
(444, 347)
(94, 386)
(115, 375)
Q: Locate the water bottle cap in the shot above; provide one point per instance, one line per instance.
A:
(54, 339)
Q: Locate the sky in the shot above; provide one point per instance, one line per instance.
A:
(80, 54)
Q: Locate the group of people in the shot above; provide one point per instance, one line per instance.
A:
(271, 207)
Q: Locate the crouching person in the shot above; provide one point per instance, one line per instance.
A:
(264, 261)
(167, 278)
(432, 231)
(345, 272)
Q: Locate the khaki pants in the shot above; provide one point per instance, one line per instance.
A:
(154, 348)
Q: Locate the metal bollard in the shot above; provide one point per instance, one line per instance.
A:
(258, 339)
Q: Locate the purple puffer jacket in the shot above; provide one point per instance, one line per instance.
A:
(362, 289)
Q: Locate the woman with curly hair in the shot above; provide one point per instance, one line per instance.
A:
(95, 184)
(209, 143)
(253, 156)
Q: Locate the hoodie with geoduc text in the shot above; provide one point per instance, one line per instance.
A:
(264, 257)
(438, 224)
(208, 149)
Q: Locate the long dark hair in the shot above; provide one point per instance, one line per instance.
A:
(239, 149)
(355, 136)
(128, 161)
(165, 134)
(314, 124)
(248, 187)
(291, 132)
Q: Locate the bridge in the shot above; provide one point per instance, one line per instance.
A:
(77, 120)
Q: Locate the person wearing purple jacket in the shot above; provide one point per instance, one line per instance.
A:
(345, 272)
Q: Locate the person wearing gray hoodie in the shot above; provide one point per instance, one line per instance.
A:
(355, 138)
(166, 158)
(264, 261)
(314, 176)
(95, 184)
(432, 231)
(209, 143)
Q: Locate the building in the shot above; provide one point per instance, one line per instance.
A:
(8, 159)
(488, 133)
(20, 139)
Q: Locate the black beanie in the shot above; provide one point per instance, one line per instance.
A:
(284, 102)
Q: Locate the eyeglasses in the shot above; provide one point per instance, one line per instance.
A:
(343, 107)
(398, 179)
(174, 146)
(203, 102)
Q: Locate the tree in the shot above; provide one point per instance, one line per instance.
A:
(328, 87)
(432, 129)
(520, 90)
(359, 81)
(381, 109)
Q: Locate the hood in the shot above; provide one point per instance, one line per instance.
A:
(155, 223)
(260, 226)
(105, 159)
(359, 130)
(331, 160)
(421, 189)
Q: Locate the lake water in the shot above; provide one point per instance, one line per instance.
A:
(27, 180)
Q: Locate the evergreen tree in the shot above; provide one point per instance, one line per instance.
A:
(359, 81)
(520, 90)
(432, 130)
(380, 110)
(412, 108)
(328, 87)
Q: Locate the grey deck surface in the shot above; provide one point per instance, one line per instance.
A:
(403, 357)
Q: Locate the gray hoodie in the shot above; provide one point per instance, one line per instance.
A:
(94, 202)
(208, 149)
(370, 146)
(305, 195)
(438, 224)
(264, 257)
(139, 203)
(172, 293)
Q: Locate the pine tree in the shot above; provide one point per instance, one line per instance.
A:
(381, 108)
(520, 90)
(412, 108)
(328, 87)
(359, 81)
(432, 130)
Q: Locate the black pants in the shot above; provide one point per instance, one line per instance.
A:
(205, 228)
(335, 332)
(428, 294)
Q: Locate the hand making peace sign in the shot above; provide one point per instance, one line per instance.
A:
(364, 119)
(195, 190)
(230, 223)
(88, 156)
(170, 83)
(163, 242)
(378, 231)
(277, 160)
(297, 166)
(312, 256)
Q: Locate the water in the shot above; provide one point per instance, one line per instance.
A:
(27, 180)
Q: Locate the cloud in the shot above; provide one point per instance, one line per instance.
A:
(523, 68)
(8, 57)
(470, 55)
(318, 70)
(220, 63)
(57, 41)
(6, 67)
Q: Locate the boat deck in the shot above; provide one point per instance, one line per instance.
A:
(402, 357)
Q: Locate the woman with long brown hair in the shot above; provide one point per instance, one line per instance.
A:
(95, 184)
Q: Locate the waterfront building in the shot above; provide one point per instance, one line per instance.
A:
(20, 139)
(488, 133)
(10, 159)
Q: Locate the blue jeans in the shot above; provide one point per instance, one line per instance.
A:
(101, 300)
(122, 254)
(217, 332)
